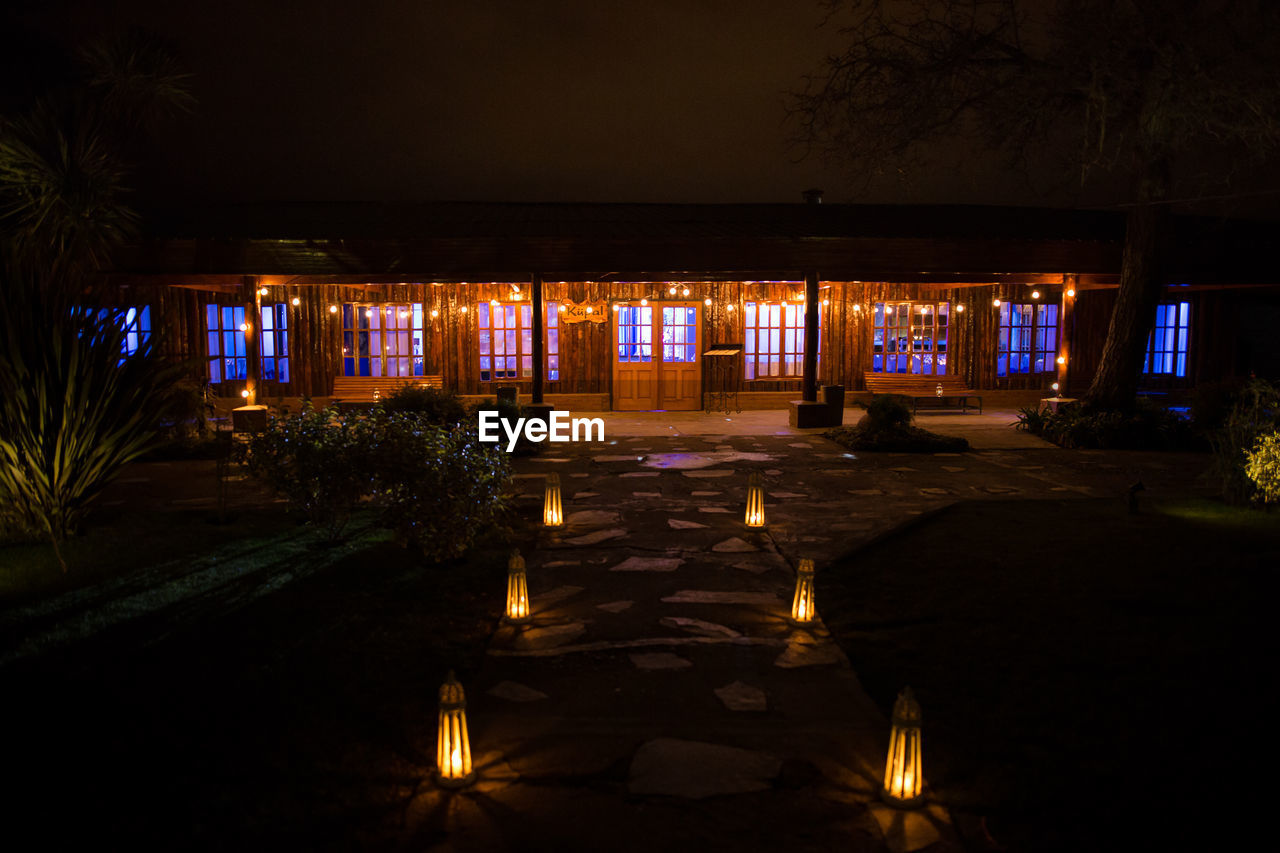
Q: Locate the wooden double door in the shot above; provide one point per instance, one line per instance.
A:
(656, 358)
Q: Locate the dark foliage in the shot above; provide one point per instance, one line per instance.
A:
(1253, 411)
(435, 405)
(1146, 426)
(886, 427)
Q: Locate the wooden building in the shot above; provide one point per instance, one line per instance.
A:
(602, 306)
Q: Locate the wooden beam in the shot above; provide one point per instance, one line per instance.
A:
(809, 392)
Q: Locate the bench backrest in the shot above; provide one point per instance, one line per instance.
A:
(362, 388)
(914, 385)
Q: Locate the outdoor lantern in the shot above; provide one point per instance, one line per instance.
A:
(802, 611)
(453, 747)
(755, 501)
(295, 301)
(517, 589)
(552, 513)
(903, 784)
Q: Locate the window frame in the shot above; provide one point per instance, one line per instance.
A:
(1176, 336)
(790, 328)
(522, 336)
(933, 354)
(135, 324)
(357, 318)
(1039, 349)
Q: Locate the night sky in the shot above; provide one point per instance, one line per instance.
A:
(500, 100)
(566, 100)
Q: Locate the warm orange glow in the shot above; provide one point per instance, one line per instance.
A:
(333, 309)
(684, 292)
(1035, 294)
(244, 327)
(644, 301)
(903, 782)
(729, 308)
(1071, 292)
(262, 291)
(1054, 386)
(295, 302)
(463, 309)
(368, 312)
(995, 302)
(245, 393)
(706, 301)
(672, 290)
(1062, 359)
(517, 589)
(960, 308)
(453, 746)
(552, 512)
(755, 501)
(802, 609)
(435, 312)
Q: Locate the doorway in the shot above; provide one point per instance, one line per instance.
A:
(656, 363)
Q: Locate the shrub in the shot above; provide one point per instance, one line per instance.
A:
(1262, 466)
(1145, 427)
(73, 412)
(435, 405)
(886, 427)
(1254, 412)
(1032, 419)
(887, 413)
(437, 489)
(317, 461)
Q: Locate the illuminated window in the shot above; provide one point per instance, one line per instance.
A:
(384, 339)
(228, 359)
(275, 342)
(635, 333)
(774, 343)
(1167, 346)
(228, 352)
(1028, 341)
(679, 333)
(135, 321)
(910, 337)
(506, 340)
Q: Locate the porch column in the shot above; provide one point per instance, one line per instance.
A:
(539, 321)
(1066, 330)
(252, 301)
(811, 307)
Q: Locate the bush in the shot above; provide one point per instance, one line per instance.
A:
(1146, 427)
(434, 405)
(1254, 412)
(317, 461)
(886, 427)
(73, 412)
(1262, 466)
(437, 489)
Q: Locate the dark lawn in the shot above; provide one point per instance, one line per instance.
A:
(303, 720)
(1089, 679)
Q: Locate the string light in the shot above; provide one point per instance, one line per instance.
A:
(295, 302)
(1035, 294)
(1071, 293)
(644, 301)
(995, 302)
(960, 308)
(368, 312)
(244, 327)
(672, 290)
(684, 292)
(515, 288)
(435, 312)
(333, 309)
(706, 301)
(589, 309)
(826, 302)
(245, 393)
(463, 309)
(729, 308)
(262, 291)
(1062, 359)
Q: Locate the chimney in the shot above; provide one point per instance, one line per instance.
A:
(812, 196)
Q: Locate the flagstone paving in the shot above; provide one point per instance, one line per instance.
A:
(671, 670)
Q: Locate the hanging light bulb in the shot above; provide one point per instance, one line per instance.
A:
(706, 301)
(589, 309)
(453, 745)
(493, 302)
(435, 312)
(1054, 386)
(826, 302)
(245, 327)
(463, 309)
(802, 609)
(295, 302)
(245, 393)
(1035, 294)
(644, 301)
(368, 312)
(552, 513)
(562, 308)
(517, 589)
(684, 292)
(1071, 292)
(616, 306)
(995, 302)
(960, 308)
(729, 307)
(903, 782)
(333, 309)
(755, 501)
(1062, 359)
(262, 291)
(671, 290)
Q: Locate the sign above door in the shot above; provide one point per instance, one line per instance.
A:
(578, 312)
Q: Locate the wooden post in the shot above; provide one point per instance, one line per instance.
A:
(1066, 331)
(811, 308)
(539, 321)
(252, 337)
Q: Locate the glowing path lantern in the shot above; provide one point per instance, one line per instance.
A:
(802, 609)
(552, 512)
(903, 782)
(453, 747)
(755, 501)
(517, 589)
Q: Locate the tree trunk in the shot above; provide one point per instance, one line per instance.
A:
(1115, 385)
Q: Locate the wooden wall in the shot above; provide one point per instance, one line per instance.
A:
(585, 348)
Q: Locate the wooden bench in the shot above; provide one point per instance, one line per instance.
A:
(369, 389)
(924, 388)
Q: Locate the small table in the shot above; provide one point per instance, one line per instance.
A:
(1056, 404)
